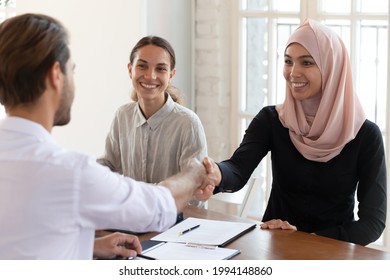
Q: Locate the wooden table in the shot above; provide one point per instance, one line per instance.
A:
(260, 244)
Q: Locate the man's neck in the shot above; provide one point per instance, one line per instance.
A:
(32, 113)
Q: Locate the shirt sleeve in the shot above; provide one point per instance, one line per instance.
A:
(112, 156)
(255, 145)
(194, 146)
(194, 141)
(371, 194)
(110, 200)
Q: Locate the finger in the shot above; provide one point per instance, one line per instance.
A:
(208, 164)
(264, 226)
(198, 191)
(272, 224)
(288, 226)
(135, 245)
(125, 252)
(209, 190)
(130, 241)
(202, 197)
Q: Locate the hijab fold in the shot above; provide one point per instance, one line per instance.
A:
(339, 115)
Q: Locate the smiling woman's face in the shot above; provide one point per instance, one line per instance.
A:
(301, 72)
(151, 72)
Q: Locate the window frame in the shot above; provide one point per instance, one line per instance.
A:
(308, 9)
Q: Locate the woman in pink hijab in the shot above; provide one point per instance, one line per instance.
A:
(323, 149)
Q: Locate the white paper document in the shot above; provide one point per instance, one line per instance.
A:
(182, 251)
(207, 232)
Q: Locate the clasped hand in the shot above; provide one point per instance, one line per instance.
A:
(210, 180)
(213, 178)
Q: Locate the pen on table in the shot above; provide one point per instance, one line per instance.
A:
(145, 257)
(188, 230)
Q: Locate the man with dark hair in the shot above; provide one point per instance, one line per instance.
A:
(53, 200)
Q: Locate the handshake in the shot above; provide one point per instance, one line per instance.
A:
(197, 180)
(210, 175)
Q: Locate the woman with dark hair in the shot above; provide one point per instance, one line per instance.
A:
(153, 137)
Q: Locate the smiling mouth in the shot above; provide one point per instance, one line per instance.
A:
(148, 86)
(298, 85)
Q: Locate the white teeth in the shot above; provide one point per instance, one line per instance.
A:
(298, 85)
(149, 86)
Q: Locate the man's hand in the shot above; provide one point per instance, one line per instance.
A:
(186, 183)
(203, 194)
(212, 179)
(116, 244)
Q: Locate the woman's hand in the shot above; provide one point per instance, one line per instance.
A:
(214, 175)
(277, 224)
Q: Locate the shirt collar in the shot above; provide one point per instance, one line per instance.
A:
(28, 127)
(157, 118)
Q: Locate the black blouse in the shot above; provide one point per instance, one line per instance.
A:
(314, 196)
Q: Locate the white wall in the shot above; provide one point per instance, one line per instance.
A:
(172, 20)
(102, 35)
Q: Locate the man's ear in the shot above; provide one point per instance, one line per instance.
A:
(55, 76)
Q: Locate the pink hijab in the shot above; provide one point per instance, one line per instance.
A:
(339, 115)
